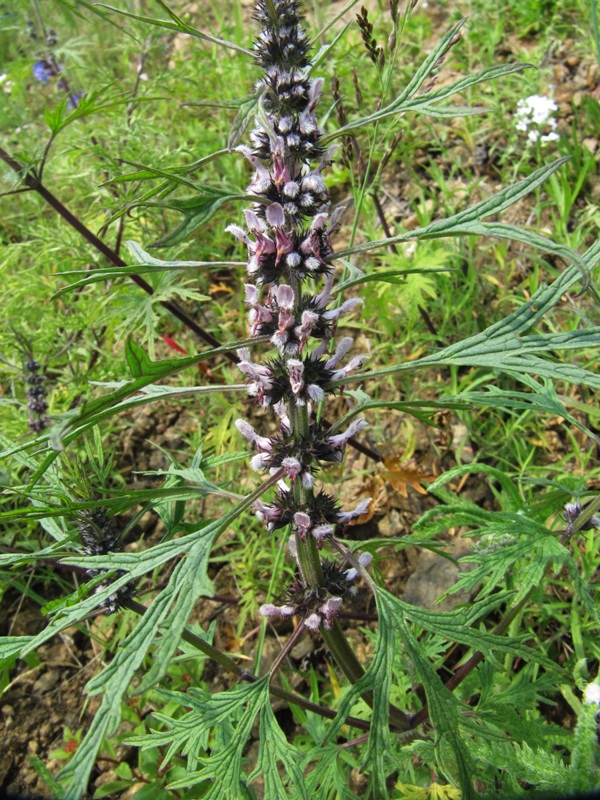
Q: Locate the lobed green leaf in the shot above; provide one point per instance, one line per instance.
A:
(444, 708)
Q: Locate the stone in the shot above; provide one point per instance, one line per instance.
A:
(434, 575)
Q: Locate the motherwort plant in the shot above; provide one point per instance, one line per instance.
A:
(458, 721)
(291, 298)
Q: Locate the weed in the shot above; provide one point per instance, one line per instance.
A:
(463, 338)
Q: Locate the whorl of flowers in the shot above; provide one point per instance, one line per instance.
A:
(572, 512)
(99, 536)
(288, 239)
(318, 606)
(36, 395)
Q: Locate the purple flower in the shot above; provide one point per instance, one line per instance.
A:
(339, 440)
(572, 511)
(269, 610)
(329, 610)
(313, 622)
(74, 100)
(364, 560)
(43, 71)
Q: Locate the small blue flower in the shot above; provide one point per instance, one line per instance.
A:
(42, 71)
(74, 100)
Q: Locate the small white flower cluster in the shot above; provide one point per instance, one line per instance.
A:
(7, 86)
(533, 114)
(592, 693)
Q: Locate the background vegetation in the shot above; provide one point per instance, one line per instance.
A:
(154, 103)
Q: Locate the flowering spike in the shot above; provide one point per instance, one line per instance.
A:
(36, 395)
(288, 240)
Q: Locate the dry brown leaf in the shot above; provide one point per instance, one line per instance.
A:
(215, 288)
(229, 640)
(400, 477)
(378, 485)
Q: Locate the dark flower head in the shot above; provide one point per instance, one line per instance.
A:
(38, 424)
(32, 365)
(98, 533)
(304, 147)
(286, 46)
(301, 381)
(296, 458)
(289, 328)
(287, 12)
(100, 536)
(321, 509)
(36, 394)
(318, 605)
(299, 194)
(274, 253)
(286, 92)
(282, 41)
(37, 405)
(115, 601)
(571, 513)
